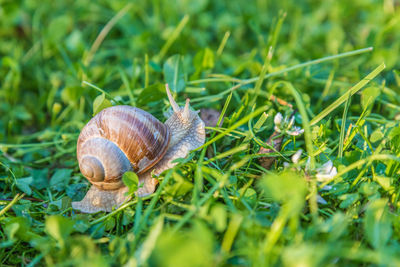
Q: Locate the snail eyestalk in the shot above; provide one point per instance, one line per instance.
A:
(185, 113)
(174, 105)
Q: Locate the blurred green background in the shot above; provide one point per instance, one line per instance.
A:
(48, 48)
(44, 46)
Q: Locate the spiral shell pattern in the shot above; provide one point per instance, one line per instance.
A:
(119, 139)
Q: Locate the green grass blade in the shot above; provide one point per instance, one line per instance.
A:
(343, 127)
(175, 34)
(312, 62)
(268, 57)
(233, 127)
(345, 96)
(102, 91)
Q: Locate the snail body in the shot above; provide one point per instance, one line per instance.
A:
(124, 138)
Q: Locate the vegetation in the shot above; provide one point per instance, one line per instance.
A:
(334, 64)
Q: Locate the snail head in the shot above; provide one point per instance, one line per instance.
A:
(181, 119)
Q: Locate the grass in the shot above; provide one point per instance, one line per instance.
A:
(336, 63)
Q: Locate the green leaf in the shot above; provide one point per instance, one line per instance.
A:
(151, 93)
(369, 95)
(76, 191)
(100, 103)
(219, 216)
(174, 74)
(371, 188)
(21, 113)
(286, 188)
(249, 196)
(62, 203)
(11, 231)
(180, 187)
(81, 226)
(39, 176)
(376, 135)
(17, 227)
(148, 245)
(59, 27)
(348, 200)
(131, 180)
(385, 182)
(189, 247)
(60, 179)
(59, 228)
(71, 94)
(377, 224)
(336, 226)
(24, 185)
(204, 59)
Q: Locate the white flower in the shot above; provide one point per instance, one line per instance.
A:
(296, 156)
(277, 129)
(326, 172)
(286, 126)
(321, 200)
(278, 118)
(295, 159)
(286, 165)
(295, 131)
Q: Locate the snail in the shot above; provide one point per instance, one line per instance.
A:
(124, 138)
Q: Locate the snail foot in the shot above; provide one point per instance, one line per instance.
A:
(101, 200)
(147, 185)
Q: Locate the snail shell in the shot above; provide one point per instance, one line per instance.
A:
(120, 139)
